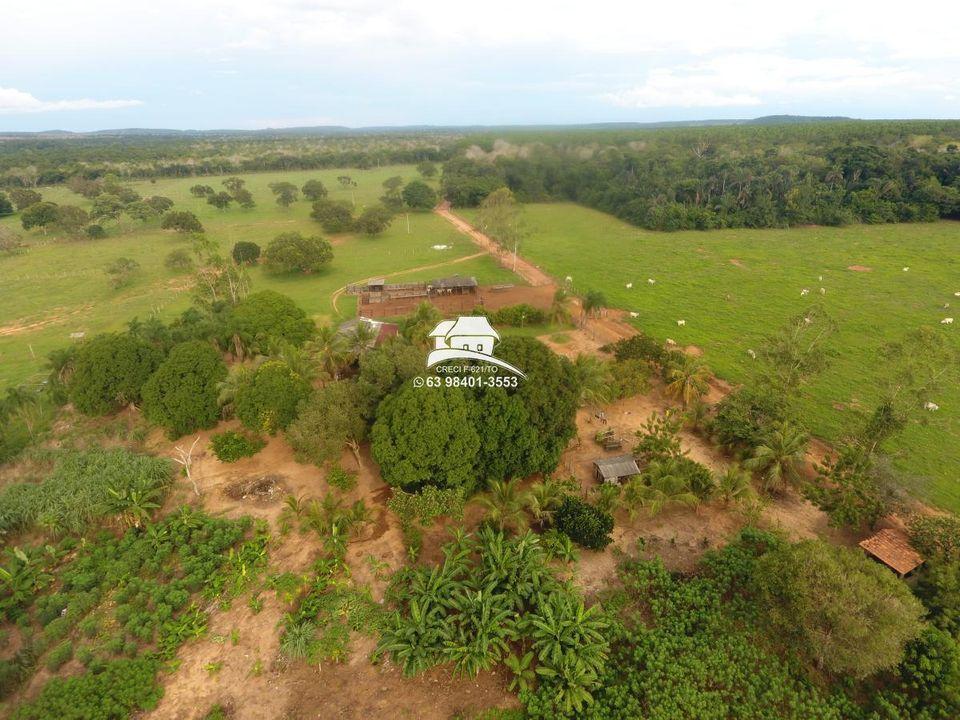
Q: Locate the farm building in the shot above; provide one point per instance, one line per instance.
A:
(377, 298)
(893, 549)
(615, 469)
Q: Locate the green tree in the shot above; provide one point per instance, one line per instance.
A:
(292, 252)
(268, 402)
(314, 190)
(108, 372)
(688, 378)
(266, 318)
(374, 220)
(182, 221)
(159, 204)
(333, 216)
(245, 252)
(779, 458)
(332, 418)
(286, 193)
(220, 200)
(504, 505)
(39, 215)
(122, 271)
(507, 437)
(201, 191)
(181, 396)
(6, 207)
(427, 169)
(849, 614)
(107, 207)
(178, 260)
(419, 196)
(24, 197)
(426, 437)
(501, 217)
(71, 220)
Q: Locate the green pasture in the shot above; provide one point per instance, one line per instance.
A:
(733, 287)
(58, 286)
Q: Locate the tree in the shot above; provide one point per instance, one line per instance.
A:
(268, 402)
(332, 418)
(285, 192)
(504, 505)
(847, 613)
(107, 207)
(687, 378)
(140, 211)
(501, 218)
(292, 252)
(234, 184)
(780, 457)
(593, 379)
(419, 196)
(939, 589)
(181, 396)
(314, 190)
(507, 437)
(334, 217)
(855, 488)
(245, 253)
(594, 301)
(426, 437)
(244, 198)
(24, 197)
(584, 524)
(10, 242)
(182, 221)
(329, 352)
(122, 271)
(374, 220)
(220, 200)
(71, 220)
(662, 485)
(266, 318)
(201, 191)
(39, 215)
(159, 203)
(6, 207)
(108, 372)
(427, 169)
(178, 260)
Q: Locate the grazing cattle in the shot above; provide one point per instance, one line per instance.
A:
(906, 269)
(651, 281)
(629, 285)
(947, 321)
(752, 354)
(671, 341)
(681, 323)
(931, 406)
(820, 278)
(634, 314)
(804, 292)
(823, 291)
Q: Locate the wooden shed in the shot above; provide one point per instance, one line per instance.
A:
(893, 549)
(615, 469)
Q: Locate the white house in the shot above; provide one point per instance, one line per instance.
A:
(465, 333)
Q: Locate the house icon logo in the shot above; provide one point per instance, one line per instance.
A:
(466, 338)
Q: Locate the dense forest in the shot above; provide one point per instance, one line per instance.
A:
(718, 177)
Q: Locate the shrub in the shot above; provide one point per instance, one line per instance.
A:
(518, 315)
(638, 347)
(584, 524)
(59, 656)
(744, 417)
(178, 259)
(246, 253)
(231, 445)
(936, 535)
(95, 232)
(109, 372)
(419, 196)
(181, 395)
(268, 402)
(341, 479)
(182, 221)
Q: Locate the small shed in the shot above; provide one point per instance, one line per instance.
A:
(615, 469)
(893, 549)
(456, 285)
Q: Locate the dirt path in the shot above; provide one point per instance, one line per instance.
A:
(339, 291)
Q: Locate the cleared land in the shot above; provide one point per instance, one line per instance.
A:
(733, 287)
(59, 287)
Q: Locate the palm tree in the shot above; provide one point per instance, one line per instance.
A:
(688, 379)
(734, 485)
(504, 504)
(780, 457)
(360, 339)
(593, 377)
(227, 389)
(300, 360)
(593, 302)
(328, 350)
(559, 313)
(661, 486)
(543, 500)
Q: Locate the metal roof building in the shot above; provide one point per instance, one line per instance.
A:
(615, 469)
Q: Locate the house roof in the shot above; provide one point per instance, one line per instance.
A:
(473, 326)
(372, 282)
(893, 549)
(455, 281)
(617, 467)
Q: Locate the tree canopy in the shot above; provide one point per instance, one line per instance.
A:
(109, 372)
(181, 396)
(294, 252)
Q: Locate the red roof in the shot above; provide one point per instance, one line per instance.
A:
(893, 549)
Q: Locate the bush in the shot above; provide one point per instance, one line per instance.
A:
(182, 221)
(230, 446)
(178, 259)
(59, 656)
(246, 253)
(744, 417)
(95, 232)
(267, 318)
(341, 479)
(638, 347)
(181, 395)
(586, 525)
(109, 372)
(518, 315)
(268, 402)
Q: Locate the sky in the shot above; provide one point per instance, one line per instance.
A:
(249, 64)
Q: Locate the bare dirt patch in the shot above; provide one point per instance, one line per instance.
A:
(693, 351)
(859, 268)
(738, 263)
(267, 489)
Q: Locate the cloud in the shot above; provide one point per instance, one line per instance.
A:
(15, 102)
(747, 79)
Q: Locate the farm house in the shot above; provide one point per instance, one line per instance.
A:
(616, 469)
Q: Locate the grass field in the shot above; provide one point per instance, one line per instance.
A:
(733, 287)
(58, 286)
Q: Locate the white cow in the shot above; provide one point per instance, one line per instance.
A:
(634, 314)
(823, 291)
(820, 278)
(671, 341)
(681, 323)
(906, 269)
(629, 285)
(804, 292)
(931, 406)
(651, 281)
(752, 353)
(947, 321)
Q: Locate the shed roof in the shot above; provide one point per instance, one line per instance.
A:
(893, 549)
(617, 467)
(455, 281)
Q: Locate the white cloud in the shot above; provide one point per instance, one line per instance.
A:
(14, 102)
(747, 79)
